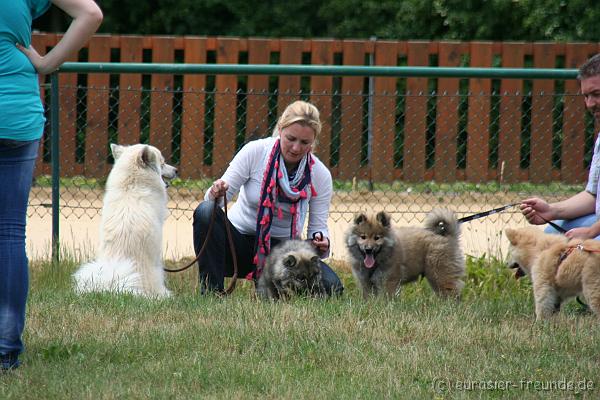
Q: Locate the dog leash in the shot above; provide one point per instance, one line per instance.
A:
(500, 209)
(486, 213)
(232, 284)
(555, 226)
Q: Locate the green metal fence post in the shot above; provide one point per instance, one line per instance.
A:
(370, 117)
(54, 153)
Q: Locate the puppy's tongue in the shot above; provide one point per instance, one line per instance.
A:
(369, 260)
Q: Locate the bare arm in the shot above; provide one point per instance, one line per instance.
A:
(538, 211)
(87, 17)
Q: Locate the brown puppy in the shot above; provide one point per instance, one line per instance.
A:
(526, 244)
(384, 257)
(566, 270)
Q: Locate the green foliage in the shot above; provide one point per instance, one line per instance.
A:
(529, 20)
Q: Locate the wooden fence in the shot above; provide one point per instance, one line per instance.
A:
(340, 136)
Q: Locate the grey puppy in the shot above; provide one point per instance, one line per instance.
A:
(291, 268)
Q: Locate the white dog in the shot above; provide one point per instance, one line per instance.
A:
(135, 207)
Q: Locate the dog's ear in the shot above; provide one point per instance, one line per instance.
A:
(314, 260)
(383, 218)
(289, 261)
(359, 219)
(116, 150)
(511, 235)
(147, 158)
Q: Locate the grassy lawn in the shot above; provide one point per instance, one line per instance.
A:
(415, 347)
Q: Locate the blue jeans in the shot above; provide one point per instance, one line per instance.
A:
(17, 161)
(586, 220)
(216, 261)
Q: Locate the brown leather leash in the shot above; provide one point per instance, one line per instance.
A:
(233, 281)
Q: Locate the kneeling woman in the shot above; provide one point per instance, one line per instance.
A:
(280, 182)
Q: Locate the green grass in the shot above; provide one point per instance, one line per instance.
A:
(117, 346)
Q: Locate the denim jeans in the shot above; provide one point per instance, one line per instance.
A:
(586, 220)
(17, 161)
(216, 261)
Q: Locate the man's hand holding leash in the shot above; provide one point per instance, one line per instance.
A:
(536, 211)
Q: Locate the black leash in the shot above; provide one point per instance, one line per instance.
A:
(500, 209)
(486, 213)
(555, 226)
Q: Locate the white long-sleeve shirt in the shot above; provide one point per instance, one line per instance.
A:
(245, 175)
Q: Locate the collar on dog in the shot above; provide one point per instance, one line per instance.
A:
(564, 254)
(569, 250)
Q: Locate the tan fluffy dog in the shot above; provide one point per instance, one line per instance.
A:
(526, 244)
(384, 257)
(564, 271)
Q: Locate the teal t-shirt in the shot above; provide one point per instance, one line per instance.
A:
(21, 110)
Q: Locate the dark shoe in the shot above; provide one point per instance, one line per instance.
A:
(9, 361)
(208, 286)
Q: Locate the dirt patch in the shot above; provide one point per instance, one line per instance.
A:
(80, 218)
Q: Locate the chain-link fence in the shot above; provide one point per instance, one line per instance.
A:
(400, 150)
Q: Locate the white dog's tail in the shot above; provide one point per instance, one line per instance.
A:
(108, 276)
(442, 222)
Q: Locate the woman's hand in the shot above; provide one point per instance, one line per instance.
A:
(36, 60)
(218, 189)
(87, 17)
(321, 243)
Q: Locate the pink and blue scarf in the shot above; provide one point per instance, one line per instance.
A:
(279, 190)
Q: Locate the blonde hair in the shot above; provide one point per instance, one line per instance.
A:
(302, 112)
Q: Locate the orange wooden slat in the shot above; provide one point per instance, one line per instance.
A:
(257, 100)
(96, 132)
(415, 115)
(225, 107)
(572, 167)
(193, 123)
(384, 115)
(573, 145)
(478, 123)
(540, 169)
(161, 98)
(130, 97)
(446, 126)
(351, 129)
(321, 96)
(509, 138)
(289, 85)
